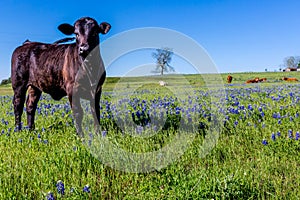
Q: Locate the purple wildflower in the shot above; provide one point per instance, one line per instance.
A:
(297, 136)
(273, 137)
(139, 129)
(250, 107)
(104, 133)
(278, 134)
(290, 134)
(236, 123)
(60, 187)
(86, 189)
(265, 142)
(50, 196)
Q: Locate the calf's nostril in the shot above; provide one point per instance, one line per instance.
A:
(80, 50)
(83, 49)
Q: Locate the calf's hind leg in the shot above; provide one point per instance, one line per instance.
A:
(18, 102)
(33, 97)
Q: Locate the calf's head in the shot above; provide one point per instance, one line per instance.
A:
(87, 32)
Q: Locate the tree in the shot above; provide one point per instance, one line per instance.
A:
(292, 61)
(163, 58)
(5, 81)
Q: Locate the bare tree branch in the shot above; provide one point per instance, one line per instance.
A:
(163, 58)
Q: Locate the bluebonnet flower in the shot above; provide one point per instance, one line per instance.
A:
(278, 134)
(86, 189)
(297, 136)
(290, 134)
(138, 114)
(60, 187)
(39, 136)
(189, 118)
(89, 142)
(236, 103)
(250, 107)
(279, 121)
(236, 123)
(45, 141)
(264, 142)
(139, 129)
(104, 133)
(177, 110)
(273, 137)
(50, 196)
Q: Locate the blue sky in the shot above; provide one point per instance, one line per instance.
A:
(239, 35)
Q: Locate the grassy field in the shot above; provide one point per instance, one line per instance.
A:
(239, 141)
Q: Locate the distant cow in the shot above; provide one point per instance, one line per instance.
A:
(289, 79)
(255, 80)
(229, 79)
(162, 83)
(262, 80)
(75, 70)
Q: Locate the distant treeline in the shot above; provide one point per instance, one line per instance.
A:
(5, 81)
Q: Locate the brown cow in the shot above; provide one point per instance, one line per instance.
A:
(289, 79)
(229, 79)
(262, 80)
(75, 70)
(255, 80)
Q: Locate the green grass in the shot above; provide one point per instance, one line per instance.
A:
(238, 167)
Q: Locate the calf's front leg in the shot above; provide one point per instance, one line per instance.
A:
(77, 113)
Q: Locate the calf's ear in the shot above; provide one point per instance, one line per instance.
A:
(104, 27)
(66, 29)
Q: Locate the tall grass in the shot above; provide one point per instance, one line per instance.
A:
(256, 155)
